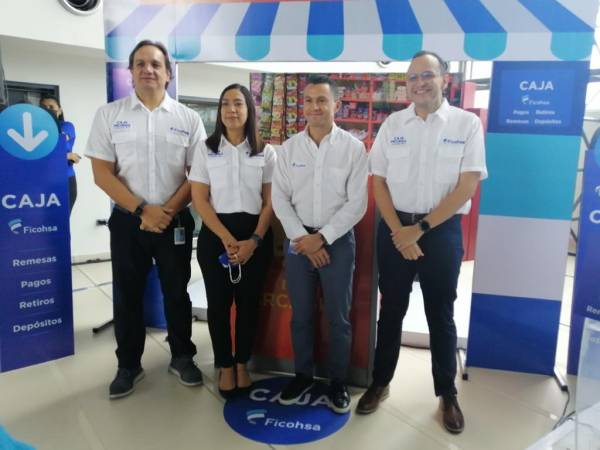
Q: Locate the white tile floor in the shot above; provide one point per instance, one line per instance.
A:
(63, 405)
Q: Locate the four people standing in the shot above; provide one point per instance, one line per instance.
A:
(426, 163)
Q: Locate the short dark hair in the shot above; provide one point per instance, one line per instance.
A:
(443, 64)
(250, 128)
(163, 50)
(61, 117)
(318, 78)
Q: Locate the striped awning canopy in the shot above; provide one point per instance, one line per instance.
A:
(353, 30)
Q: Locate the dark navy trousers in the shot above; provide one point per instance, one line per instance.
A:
(438, 274)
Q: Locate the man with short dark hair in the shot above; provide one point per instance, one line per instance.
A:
(426, 163)
(319, 193)
(141, 149)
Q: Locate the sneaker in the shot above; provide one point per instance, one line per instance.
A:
(124, 383)
(295, 389)
(339, 397)
(185, 369)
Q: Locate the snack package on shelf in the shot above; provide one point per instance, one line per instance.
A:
(400, 94)
(277, 115)
(358, 133)
(266, 106)
(301, 122)
(256, 85)
(291, 105)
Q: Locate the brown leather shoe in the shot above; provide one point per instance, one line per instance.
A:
(454, 420)
(369, 401)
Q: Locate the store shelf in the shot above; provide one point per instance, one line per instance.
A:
(359, 100)
(392, 102)
(351, 120)
(351, 77)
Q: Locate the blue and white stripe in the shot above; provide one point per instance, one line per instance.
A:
(356, 30)
(523, 231)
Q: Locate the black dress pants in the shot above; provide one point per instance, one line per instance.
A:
(438, 274)
(221, 292)
(132, 252)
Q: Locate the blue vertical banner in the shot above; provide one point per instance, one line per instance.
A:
(36, 310)
(586, 291)
(533, 142)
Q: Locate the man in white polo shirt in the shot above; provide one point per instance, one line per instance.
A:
(319, 193)
(141, 148)
(426, 163)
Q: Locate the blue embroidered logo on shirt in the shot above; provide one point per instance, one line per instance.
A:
(121, 124)
(179, 131)
(298, 164)
(398, 140)
(453, 141)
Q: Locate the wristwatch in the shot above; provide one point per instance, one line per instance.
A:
(424, 225)
(322, 238)
(140, 209)
(256, 238)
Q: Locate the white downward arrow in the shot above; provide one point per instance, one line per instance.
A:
(28, 141)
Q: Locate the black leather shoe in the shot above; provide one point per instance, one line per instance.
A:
(369, 402)
(124, 382)
(339, 397)
(295, 389)
(454, 420)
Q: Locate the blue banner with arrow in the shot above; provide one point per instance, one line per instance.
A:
(36, 312)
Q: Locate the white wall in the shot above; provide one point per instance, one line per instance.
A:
(80, 73)
(47, 20)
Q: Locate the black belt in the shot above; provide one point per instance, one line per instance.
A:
(410, 218)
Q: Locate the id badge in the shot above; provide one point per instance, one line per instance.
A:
(179, 235)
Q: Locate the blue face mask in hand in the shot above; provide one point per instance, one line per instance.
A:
(227, 264)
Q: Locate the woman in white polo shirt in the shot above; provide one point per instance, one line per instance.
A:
(231, 190)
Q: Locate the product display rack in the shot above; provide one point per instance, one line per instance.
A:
(366, 100)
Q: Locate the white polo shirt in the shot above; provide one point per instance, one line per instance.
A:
(235, 178)
(322, 187)
(422, 160)
(151, 149)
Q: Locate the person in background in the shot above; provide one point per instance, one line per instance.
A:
(231, 190)
(67, 131)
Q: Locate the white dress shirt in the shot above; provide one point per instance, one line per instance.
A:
(151, 149)
(322, 187)
(422, 160)
(235, 178)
